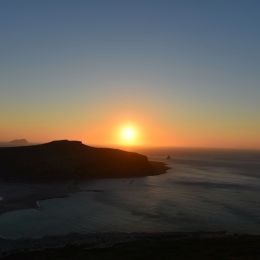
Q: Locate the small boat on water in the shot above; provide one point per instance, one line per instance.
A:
(168, 157)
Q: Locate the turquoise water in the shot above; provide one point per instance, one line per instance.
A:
(203, 191)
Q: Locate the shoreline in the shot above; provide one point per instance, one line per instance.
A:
(27, 195)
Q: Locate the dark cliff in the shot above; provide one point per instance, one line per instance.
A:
(64, 160)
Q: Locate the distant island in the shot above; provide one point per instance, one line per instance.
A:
(16, 142)
(72, 160)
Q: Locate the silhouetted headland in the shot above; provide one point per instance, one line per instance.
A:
(72, 160)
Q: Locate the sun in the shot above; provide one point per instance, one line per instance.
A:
(128, 135)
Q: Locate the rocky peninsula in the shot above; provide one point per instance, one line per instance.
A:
(37, 172)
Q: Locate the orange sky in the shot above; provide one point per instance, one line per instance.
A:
(152, 130)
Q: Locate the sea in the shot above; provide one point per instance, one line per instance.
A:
(204, 190)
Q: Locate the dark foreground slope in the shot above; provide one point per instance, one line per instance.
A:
(72, 160)
(189, 246)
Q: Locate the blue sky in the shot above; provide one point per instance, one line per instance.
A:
(187, 63)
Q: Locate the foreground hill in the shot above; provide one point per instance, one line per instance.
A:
(72, 160)
(155, 246)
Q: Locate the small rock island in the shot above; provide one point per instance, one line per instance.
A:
(72, 160)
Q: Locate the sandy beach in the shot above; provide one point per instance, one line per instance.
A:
(16, 196)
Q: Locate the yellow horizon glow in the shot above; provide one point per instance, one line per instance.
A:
(106, 130)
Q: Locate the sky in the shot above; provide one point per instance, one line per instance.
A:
(183, 73)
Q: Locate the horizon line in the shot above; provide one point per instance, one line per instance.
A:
(117, 146)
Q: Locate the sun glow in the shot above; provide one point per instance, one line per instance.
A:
(128, 135)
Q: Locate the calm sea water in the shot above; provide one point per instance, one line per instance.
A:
(205, 190)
